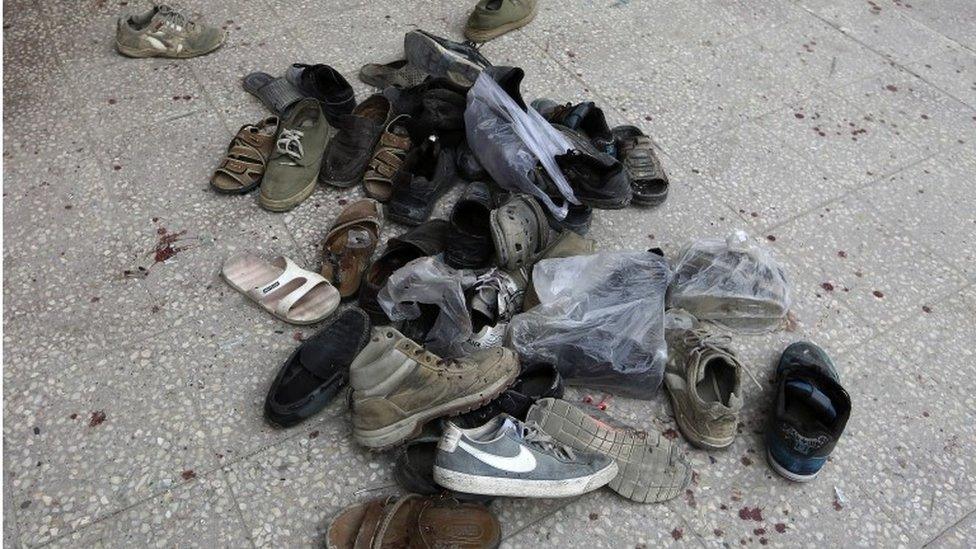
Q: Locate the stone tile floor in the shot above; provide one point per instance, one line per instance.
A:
(839, 132)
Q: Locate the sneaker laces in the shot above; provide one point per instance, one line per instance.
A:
(530, 433)
(176, 16)
(290, 143)
(701, 339)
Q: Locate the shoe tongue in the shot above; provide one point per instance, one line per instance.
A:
(510, 425)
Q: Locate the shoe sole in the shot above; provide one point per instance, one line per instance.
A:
(788, 475)
(431, 57)
(405, 429)
(477, 35)
(650, 201)
(285, 204)
(692, 436)
(514, 487)
(635, 480)
(143, 54)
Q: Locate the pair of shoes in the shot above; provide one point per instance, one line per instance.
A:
(165, 31)
(414, 521)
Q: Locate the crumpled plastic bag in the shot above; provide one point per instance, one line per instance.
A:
(510, 142)
(429, 280)
(600, 321)
(734, 282)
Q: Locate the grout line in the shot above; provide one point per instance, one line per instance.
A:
(949, 528)
(237, 506)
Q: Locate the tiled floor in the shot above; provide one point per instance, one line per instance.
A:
(839, 132)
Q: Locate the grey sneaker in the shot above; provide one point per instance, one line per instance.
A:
(704, 380)
(398, 386)
(164, 31)
(651, 468)
(506, 457)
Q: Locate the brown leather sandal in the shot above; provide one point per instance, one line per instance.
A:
(387, 159)
(242, 168)
(349, 245)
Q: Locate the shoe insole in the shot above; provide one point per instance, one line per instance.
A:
(809, 406)
(718, 383)
(534, 384)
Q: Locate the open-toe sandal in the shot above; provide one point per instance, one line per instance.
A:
(349, 245)
(282, 288)
(242, 168)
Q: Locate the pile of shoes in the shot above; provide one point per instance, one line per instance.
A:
(470, 418)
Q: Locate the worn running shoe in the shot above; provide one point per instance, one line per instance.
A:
(493, 18)
(704, 380)
(506, 457)
(398, 386)
(164, 31)
(294, 165)
(809, 414)
(438, 56)
(651, 468)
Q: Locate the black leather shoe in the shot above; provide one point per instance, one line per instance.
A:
(349, 151)
(325, 84)
(428, 171)
(536, 381)
(470, 245)
(598, 179)
(427, 239)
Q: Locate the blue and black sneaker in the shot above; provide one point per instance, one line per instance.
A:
(809, 415)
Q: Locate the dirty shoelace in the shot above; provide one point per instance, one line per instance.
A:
(705, 339)
(177, 17)
(290, 143)
(531, 433)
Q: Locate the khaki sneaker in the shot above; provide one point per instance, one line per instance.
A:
(397, 386)
(164, 31)
(493, 18)
(704, 380)
(293, 167)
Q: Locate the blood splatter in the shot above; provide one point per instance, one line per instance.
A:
(670, 434)
(188, 474)
(827, 286)
(594, 516)
(780, 527)
(754, 513)
(770, 238)
(746, 461)
(677, 534)
(313, 434)
(841, 253)
(878, 294)
(97, 418)
(926, 309)
(891, 88)
(799, 115)
(759, 531)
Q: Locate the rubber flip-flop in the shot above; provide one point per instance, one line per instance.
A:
(276, 93)
(282, 288)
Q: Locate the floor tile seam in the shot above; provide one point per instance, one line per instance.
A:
(949, 528)
(9, 498)
(923, 23)
(237, 507)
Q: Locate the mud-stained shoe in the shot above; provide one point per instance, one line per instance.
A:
(398, 386)
(493, 18)
(460, 63)
(506, 457)
(704, 380)
(164, 31)
(650, 468)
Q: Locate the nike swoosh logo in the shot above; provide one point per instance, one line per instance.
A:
(521, 463)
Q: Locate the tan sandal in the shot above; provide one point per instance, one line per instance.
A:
(387, 159)
(242, 168)
(349, 245)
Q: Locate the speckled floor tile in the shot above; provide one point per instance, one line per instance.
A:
(953, 18)
(954, 72)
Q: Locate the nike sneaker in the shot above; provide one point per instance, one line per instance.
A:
(164, 31)
(809, 414)
(506, 457)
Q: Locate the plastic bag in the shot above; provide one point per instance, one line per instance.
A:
(429, 280)
(733, 282)
(600, 321)
(510, 142)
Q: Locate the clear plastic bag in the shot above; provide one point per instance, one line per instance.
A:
(600, 321)
(429, 280)
(510, 142)
(734, 282)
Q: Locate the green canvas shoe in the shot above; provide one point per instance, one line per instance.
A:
(493, 18)
(164, 31)
(294, 165)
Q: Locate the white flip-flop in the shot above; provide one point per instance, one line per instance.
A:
(282, 288)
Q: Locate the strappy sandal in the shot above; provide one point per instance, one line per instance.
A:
(242, 168)
(349, 245)
(282, 288)
(520, 232)
(387, 159)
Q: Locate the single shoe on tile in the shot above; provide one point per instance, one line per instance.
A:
(647, 177)
(398, 74)
(809, 413)
(414, 522)
(651, 468)
(506, 457)
(438, 56)
(598, 179)
(536, 381)
(294, 165)
(470, 245)
(584, 117)
(398, 386)
(704, 380)
(387, 157)
(428, 171)
(414, 468)
(164, 31)
(349, 245)
(317, 370)
(493, 300)
(349, 151)
(493, 18)
(421, 241)
(325, 84)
